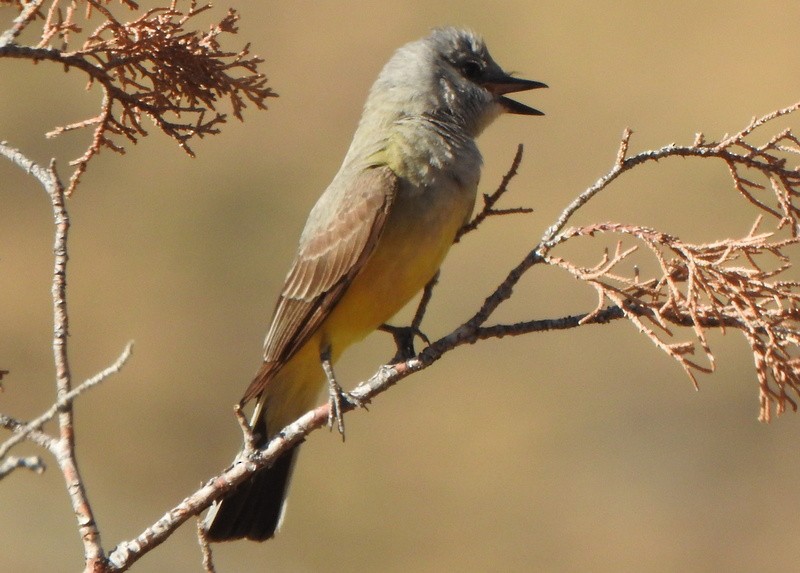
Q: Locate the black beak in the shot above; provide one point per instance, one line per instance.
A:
(506, 84)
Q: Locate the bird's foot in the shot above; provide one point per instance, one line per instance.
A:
(338, 399)
(338, 402)
(404, 341)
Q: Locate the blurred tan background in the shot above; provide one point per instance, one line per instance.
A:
(575, 451)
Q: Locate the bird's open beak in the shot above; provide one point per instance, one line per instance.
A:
(508, 84)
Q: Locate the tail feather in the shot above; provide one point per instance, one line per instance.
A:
(253, 510)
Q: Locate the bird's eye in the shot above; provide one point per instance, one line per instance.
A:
(471, 70)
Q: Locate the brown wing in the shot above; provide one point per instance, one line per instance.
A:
(327, 260)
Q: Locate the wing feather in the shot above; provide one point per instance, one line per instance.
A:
(326, 262)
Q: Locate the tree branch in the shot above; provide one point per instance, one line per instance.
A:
(151, 66)
(26, 15)
(489, 201)
(32, 463)
(65, 453)
(22, 431)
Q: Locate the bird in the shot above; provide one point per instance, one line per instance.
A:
(375, 237)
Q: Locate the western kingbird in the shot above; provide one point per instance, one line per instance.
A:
(375, 237)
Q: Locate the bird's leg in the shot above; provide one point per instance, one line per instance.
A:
(336, 396)
(404, 335)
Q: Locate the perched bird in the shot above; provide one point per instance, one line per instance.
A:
(374, 238)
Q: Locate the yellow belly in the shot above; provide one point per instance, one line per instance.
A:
(418, 233)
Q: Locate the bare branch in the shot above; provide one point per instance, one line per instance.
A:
(489, 201)
(37, 437)
(622, 153)
(205, 548)
(23, 431)
(65, 454)
(247, 432)
(45, 176)
(32, 463)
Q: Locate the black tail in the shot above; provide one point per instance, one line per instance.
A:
(253, 510)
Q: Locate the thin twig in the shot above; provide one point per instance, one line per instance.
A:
(38, 437)
(489, 201)
(24, 18)
(247, 431)
(24, 431)
(205, 548)
(42, 174)
(89, 533)
(32, 463)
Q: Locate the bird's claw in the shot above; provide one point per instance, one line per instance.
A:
(404, 341)
(338, 402)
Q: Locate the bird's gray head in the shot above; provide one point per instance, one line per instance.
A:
(450, 76)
